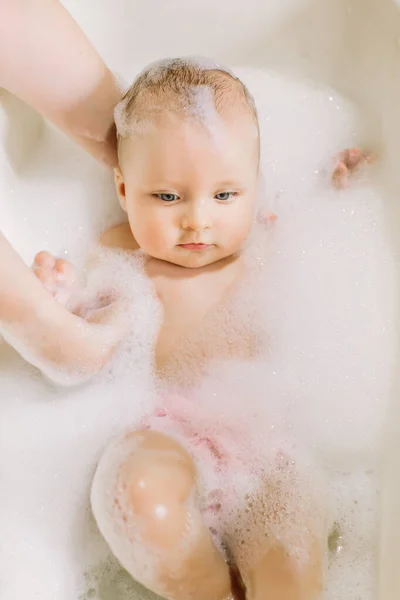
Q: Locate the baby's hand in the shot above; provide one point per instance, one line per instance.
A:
(58, 277)
(349, 161)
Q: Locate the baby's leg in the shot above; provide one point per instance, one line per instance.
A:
(279, 551)
(277, 574)
(62, 345)
(144, 501)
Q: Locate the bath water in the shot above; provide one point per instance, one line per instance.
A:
(327, 303)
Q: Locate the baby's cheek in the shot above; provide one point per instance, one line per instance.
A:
(239, 233)
(145, 227)
(239, 240)
(155, 235)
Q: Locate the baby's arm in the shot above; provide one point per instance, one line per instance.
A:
(45, 332)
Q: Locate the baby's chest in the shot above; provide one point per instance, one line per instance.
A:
(202, 321)
(187, 303)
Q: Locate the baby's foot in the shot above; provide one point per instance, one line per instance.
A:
(58, 277)
(349, 161)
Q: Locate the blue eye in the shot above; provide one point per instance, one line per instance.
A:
(167, 197)
(224, 196)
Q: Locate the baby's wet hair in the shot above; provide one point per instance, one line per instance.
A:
(187, 87)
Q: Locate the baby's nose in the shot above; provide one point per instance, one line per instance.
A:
(197, 216)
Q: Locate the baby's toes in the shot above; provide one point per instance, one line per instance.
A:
(44, 260)
(64, 272)
(46, 277)
(57, 276)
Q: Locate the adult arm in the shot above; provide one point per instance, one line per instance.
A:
(48, 62)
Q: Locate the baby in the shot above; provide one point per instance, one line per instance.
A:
(188, 179)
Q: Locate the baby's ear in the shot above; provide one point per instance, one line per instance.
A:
(120, 187)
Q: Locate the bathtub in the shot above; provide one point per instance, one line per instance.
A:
(352, 46)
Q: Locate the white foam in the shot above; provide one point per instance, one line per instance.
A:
(327, 308)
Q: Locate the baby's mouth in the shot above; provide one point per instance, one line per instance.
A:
(196, 246)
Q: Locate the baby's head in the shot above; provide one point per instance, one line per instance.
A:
(188, 147)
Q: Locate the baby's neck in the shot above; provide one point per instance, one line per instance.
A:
(171, 269)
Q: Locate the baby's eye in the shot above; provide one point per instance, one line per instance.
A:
(224, 196)
(167, 197)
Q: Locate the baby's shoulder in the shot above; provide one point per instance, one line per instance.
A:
(117, 259)
(119, 237)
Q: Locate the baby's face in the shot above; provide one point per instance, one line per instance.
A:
(190, 190)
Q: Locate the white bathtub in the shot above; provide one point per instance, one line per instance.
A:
(350, 45)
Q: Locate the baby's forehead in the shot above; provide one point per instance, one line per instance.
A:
(183, 151)
(211, 131)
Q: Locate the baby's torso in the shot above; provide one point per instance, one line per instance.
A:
(202, 316)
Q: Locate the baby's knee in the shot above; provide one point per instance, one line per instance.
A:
(153, 488)
(158, 469)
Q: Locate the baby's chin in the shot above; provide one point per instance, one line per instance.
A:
(191, 259)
